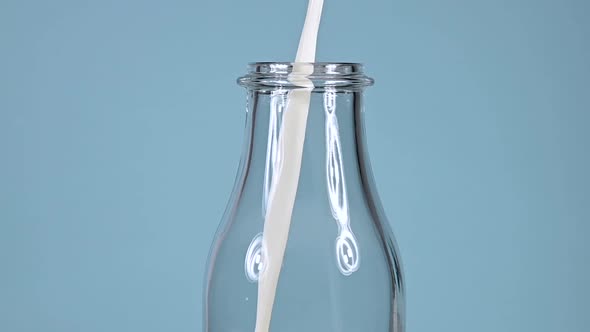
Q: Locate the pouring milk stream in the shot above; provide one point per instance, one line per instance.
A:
(284, 183)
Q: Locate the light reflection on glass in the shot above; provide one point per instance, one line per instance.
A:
(347, 251)
(254, 260)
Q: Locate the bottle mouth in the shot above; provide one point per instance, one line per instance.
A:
(288, 75)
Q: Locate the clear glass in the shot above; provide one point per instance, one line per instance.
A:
(341, 271)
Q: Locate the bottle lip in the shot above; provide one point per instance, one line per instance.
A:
(323, 75)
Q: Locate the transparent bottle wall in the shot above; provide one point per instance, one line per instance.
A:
(340, 270)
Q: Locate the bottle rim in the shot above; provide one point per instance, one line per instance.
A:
(288, 75)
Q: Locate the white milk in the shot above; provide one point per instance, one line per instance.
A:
(284, 184)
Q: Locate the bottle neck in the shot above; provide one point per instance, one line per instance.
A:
(333, 153)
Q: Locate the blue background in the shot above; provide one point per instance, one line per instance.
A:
(121, 125)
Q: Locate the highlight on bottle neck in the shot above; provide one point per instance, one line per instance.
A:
(266, 76)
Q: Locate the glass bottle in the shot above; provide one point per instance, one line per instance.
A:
(340, 271)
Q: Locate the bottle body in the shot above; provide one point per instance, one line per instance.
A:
(340, 270)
